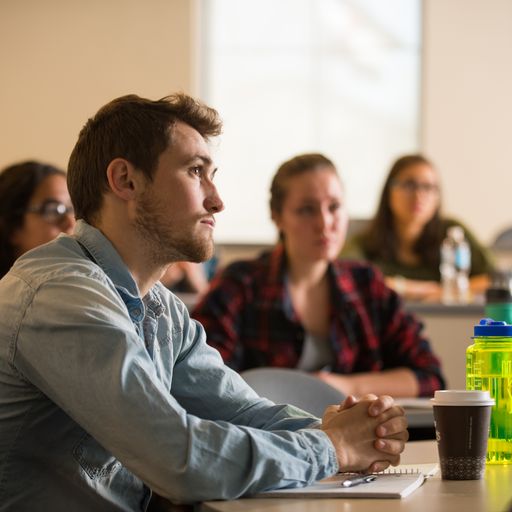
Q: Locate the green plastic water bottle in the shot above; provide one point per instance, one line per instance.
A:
(489, 368)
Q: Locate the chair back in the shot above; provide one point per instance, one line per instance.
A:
(295, 387)
(503, 241)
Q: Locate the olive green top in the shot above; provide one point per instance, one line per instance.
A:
(481, 261)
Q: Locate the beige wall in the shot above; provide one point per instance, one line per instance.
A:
(467, 111)
(62, 59)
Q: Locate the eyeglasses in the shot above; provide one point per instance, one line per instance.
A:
(411, 186)
(51, 210)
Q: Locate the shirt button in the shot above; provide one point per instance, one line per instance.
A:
(136, 314)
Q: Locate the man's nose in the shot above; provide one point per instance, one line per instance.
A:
(213, 203)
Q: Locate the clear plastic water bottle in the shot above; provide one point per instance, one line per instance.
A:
(455, 266)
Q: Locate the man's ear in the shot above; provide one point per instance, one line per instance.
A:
(123, 178)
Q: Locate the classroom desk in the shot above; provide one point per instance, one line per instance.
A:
(492, 494)
(417, 416)
(449, 329)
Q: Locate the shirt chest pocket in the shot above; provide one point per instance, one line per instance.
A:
(166, 337)
(94, 459)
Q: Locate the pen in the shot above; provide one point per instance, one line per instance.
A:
(351, 482)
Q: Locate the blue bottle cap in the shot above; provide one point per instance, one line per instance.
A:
(490, 327)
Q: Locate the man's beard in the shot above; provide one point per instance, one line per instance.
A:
(164, 241)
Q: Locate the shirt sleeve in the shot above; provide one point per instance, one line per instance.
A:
(77, 344)
(221, 313)
(403, 342)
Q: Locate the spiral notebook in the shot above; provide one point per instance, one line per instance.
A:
(395, 483)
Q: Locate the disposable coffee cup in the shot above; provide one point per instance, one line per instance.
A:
(462, 421)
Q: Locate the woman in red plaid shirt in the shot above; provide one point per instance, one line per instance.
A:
(298, 306)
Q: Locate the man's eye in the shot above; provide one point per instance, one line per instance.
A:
(196, 170)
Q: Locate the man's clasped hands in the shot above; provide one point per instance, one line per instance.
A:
(369, 433)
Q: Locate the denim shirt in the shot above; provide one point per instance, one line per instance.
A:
(106, 396)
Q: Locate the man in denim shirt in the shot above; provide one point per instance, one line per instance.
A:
(108, 391)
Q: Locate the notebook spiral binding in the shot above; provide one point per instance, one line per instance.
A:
(428, 470)
(400, 471)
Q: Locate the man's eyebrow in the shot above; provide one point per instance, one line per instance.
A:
(205, 159)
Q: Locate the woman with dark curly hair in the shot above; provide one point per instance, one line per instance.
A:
(34, 208)
(404, 238)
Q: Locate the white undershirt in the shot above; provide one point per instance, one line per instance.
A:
(316, 354)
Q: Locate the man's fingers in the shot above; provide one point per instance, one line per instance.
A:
(392, 427)
(379, 466)
(349, 402)
(400, 436)
(390, 446)
(380, 404)
(369, 396)
(329, 412)
(393, 412)
(382, 465)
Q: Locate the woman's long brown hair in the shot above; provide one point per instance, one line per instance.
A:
(380, 240)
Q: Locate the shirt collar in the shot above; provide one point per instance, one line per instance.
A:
(341, 283)
(106, 256)
(277, 264)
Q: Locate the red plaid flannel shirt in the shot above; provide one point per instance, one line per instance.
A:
(249, 318)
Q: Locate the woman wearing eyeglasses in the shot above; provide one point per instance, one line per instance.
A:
(34, 208)
(404, 238)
